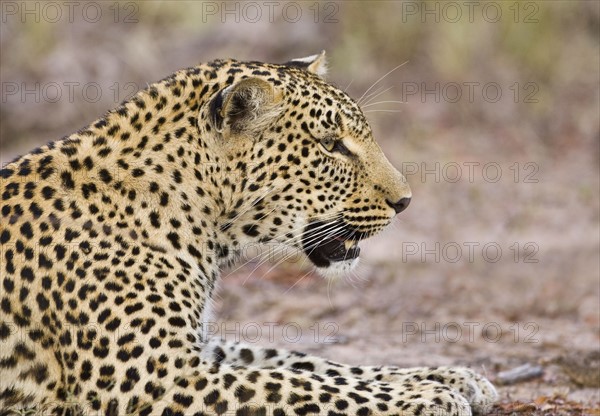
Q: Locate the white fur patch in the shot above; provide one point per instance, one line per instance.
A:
(307, 59)
(338, 269)
(317, 63)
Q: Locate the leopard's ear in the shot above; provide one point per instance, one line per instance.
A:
(247, 106)
(317, 64)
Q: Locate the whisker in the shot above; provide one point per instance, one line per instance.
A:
(382, 111)
(313, 249)
(384, 102)
(379, 80)
(298, 281)
(286, 242)
(313, 238)
(329, 283)
(376, 94)
(348, 86)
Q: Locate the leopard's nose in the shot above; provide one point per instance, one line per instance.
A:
(400, 205)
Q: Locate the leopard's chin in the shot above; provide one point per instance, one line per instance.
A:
(338, 269)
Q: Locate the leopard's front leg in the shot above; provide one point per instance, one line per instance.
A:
(216, 389)
(478, 391)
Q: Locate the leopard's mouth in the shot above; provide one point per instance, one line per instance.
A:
(327, 243)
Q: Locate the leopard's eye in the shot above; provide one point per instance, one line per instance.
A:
(328, 143)
(332, 145)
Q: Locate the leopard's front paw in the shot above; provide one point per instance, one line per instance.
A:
(476, 389)
(430, 398)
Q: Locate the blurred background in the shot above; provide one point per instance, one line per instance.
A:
(491, 111)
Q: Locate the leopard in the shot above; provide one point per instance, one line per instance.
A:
(114, 237)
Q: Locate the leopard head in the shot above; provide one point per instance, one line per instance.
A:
(309, 172)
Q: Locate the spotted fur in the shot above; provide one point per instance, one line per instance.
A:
(113, 237)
